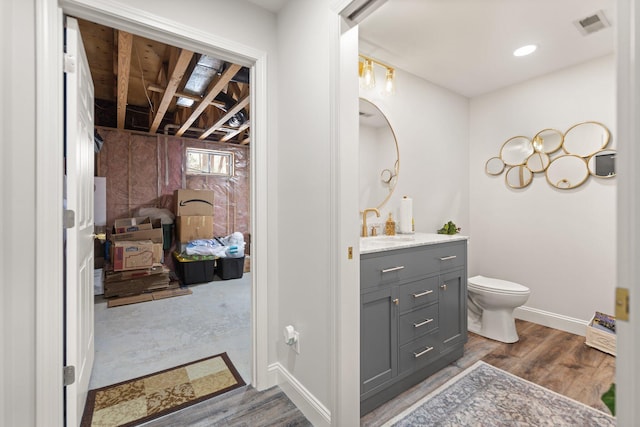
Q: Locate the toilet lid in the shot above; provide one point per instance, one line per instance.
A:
(496, 285)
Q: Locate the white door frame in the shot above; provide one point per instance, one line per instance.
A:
(49, 283)
(628, 234)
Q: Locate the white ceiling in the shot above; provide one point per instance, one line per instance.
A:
(467, 45)
(270, 5)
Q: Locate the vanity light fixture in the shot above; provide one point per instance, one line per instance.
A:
(367, 75)
(525, 50)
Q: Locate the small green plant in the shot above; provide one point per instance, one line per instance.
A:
(449, 228)
(609, 398)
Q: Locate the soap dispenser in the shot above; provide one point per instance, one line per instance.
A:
(390, 226)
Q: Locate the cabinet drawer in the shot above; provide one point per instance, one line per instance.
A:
(452, 255)
(418, 323)
(418, 293)
(402, 264)
(419, 353)
(396, 266)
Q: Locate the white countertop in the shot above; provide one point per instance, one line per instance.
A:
(386, 243)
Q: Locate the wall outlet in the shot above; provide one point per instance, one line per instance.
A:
(296, 343)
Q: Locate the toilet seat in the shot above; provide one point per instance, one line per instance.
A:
(497, 286)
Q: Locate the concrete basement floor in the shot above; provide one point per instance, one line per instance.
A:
(140, 339)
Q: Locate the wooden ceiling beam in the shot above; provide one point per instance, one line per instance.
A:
(125, 42)
(172, 86)
(235, 132)
(245, 141)
(178, 94)
(239, 106)
(220, 83)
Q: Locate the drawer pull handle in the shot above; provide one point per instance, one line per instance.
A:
(396, 301)
(421, 294)
(423, 352)
(424, 322)
(388, 270)
(443, 286)
(446, 258)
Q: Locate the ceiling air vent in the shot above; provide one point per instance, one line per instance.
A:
(593, 23)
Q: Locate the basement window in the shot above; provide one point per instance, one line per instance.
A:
(209, 162)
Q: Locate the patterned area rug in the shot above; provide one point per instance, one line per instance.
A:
(484, 395)
(135, 401)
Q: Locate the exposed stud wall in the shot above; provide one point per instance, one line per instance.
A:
(129, 161)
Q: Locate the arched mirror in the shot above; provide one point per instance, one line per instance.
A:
(515, 151)
(548, 141)
(379, 157)
(518, 176)
(494, 166)
(603, 164)
(585, 139)
(567, 171)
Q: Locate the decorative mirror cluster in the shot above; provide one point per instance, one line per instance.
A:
(567, 159)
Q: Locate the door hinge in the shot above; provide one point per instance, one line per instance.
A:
(350, 252)
(69, 63)
(622, 303)
(69, 218)
(68, 375)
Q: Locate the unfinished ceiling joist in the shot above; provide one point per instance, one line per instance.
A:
(217, 125)
(231, 134)
(125, 42)
(220, 83)
(160, 89)
(172, 86)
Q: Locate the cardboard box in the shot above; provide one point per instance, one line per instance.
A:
(126, 225)
(155, 235)
(158, 253)
(190, 228)
(132, 255)
(194, 202)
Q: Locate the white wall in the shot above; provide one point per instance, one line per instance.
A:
(304, 168)
(431, 125)
(17, 214)
(561, 244)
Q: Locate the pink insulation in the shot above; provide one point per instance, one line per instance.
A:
(144, 170)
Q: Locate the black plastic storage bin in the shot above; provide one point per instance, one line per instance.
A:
(230, 268)
(194, 271)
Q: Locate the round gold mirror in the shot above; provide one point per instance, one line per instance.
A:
(379, 157)
(538, 162)
(567, 171)
(518, 176)
(603, 164)
(585, 139)
(515, 151)
(547, 141)
(494, 166)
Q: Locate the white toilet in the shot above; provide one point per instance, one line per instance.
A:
(491, 305)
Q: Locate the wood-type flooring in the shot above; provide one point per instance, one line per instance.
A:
(554, 359)
(551, 358)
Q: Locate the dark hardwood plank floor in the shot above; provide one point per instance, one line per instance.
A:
(243, 407)
(551, 358)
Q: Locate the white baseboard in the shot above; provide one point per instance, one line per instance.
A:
(552, 320)
(318, 414)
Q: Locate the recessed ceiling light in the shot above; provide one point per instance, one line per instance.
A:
(525, 50)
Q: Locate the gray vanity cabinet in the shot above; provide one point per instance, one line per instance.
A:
(413, 318)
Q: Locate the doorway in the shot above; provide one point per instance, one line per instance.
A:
(255, 60)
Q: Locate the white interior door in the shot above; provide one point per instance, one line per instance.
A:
(79, 351)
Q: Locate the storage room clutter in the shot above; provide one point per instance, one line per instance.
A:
(135, 264)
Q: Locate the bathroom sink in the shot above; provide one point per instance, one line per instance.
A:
(396, 238)
(384, 242)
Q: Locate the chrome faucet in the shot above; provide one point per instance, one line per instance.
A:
(365, 232)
